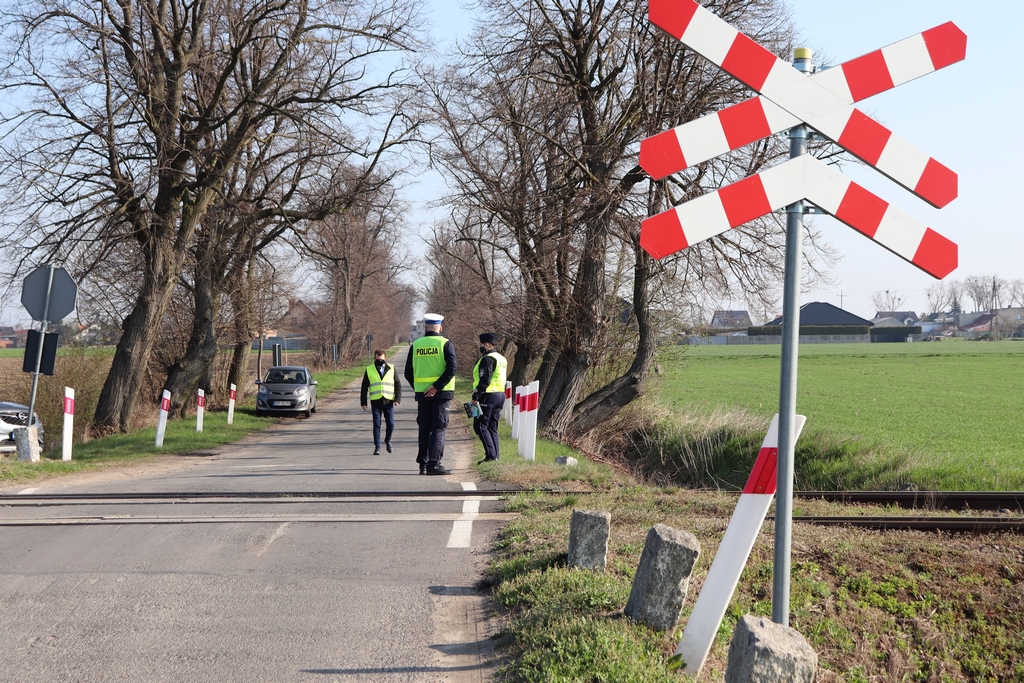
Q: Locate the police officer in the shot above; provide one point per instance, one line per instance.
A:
(489, 393)
(385, 393)
(430, 369)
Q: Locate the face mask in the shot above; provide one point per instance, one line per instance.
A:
(378, 362)
(483, 350)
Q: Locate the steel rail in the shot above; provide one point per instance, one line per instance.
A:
(973, 525)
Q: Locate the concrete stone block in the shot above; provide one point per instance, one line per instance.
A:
(762, 651)
(566, 460)
(588, 539)
(663, 577)
(26, 440)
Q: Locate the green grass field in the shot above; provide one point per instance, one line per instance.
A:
(951, 410)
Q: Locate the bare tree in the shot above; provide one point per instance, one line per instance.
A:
(938, 296)
(983, 291)
(887, 302)
(541, 120)
(138, 109)
(355, 255)
(1015, 292)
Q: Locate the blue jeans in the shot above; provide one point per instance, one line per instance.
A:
(388, 413)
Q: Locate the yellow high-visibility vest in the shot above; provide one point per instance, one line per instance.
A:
(428, 363)
(381, 387)
(497, 377)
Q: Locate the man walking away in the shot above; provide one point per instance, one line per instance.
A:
(489, 393)
(430, 369)
(385, 393)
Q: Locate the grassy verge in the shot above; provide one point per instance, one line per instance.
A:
(180, 438)
(905, 606)
(878, 415)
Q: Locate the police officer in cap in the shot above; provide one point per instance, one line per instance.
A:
(430, 369)
(489, 393)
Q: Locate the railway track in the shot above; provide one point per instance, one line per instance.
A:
(1009, 504)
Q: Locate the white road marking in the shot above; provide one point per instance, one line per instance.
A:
(462, 528)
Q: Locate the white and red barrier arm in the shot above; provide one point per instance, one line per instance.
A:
(733, 551)
(801, 178)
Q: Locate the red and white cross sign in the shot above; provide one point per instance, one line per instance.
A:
(824, 101)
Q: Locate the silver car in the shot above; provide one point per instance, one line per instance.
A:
(286, 389)
(15, 415)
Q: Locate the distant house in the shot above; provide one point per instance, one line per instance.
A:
(980, 325)
(8, 338)
(888, 322)
(724, 320)
(1010, 321)
(908, 318)
(296, 321)
(821, 313)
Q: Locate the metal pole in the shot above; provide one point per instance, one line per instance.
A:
(39, 351)
(788, 375)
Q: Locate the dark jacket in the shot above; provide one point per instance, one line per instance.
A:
(364, 391)
(451, 365)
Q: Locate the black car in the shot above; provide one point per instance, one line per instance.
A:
(286, 389)
(15, 415)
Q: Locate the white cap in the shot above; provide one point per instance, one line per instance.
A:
(432, 319)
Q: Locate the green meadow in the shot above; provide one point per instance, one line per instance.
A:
(951, 413)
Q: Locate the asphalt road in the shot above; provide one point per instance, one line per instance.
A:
(333, 587)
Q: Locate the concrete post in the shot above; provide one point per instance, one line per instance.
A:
(663, 576)
(26, 440)
(762, 651)
(588, 539)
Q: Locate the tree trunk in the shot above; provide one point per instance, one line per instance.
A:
(605, 403)
(568, 374)
(195, 369)
(127, 375)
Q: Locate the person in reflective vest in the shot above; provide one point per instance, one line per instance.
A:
(489, 393)
(384, 393)
(430, 370)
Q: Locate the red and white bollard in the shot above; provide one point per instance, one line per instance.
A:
(232, 394)
(532, 404)
(733, 551)
(69, 422)
(508, 403)
(200, 404)
(161, 423)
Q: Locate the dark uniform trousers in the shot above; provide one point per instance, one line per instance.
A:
(382, 408)
(486, 424)
(432, 419)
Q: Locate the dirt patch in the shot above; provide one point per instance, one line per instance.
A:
(107, 472)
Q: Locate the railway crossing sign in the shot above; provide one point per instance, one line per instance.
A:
(793, 97)
(824, 101)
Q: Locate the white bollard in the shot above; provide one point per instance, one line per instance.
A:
(161, 423)
(231, 404)
(69, 422)
(508, 403)
(517, 418)
(200, 404)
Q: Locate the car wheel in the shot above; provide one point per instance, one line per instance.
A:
(307, 413)
(260, 413)
(313, 409)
